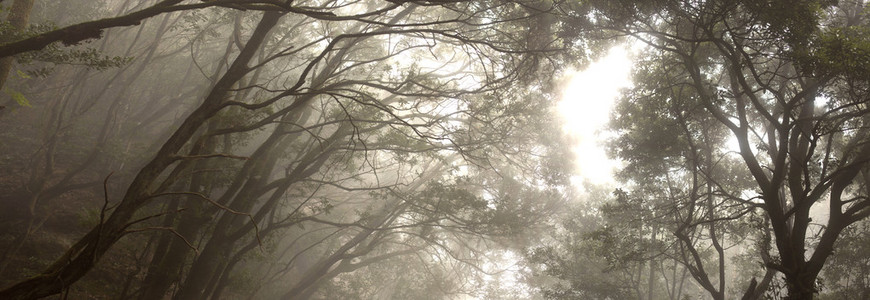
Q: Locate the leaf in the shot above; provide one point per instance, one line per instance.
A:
(22, 75)
(18, 97)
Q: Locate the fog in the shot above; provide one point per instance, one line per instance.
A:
(247, 149)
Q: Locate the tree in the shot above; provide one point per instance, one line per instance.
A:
(677, 181)
(312, 102)
(577, 262)
(846, 274)
(795, 108)
(18, 18)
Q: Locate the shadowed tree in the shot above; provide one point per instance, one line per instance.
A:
(308, 98)
(786, 82)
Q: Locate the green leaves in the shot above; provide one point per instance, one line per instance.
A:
(55, 54)
(22, 75)
(17, 96)
(88, 57)
(843, 51)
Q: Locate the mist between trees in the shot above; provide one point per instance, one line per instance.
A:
(246, 149)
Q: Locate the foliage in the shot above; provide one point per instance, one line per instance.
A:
(847, 275)
(56, 54)
(753, 73)
(329, 140)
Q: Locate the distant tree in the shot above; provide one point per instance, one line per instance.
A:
(575, 262)
(847, 274)
(17, 20)
(676, 180)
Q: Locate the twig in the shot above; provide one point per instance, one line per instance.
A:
(180, 157)
(227, 209)
(105, 198)
(102, 212)
(153, 216)
(170, 229)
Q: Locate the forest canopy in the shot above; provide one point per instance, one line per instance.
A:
(370, 149)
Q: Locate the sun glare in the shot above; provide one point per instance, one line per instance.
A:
(587, 99)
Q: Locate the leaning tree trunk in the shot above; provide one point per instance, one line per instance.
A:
(84, 255)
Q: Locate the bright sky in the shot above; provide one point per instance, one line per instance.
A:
(585, 106)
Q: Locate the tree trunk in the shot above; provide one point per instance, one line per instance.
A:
(18, 18)
(82, 257)
(166, 264)
(651, 280)
(801, 287)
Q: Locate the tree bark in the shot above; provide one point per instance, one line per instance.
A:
(82, 257)
(18, 18)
